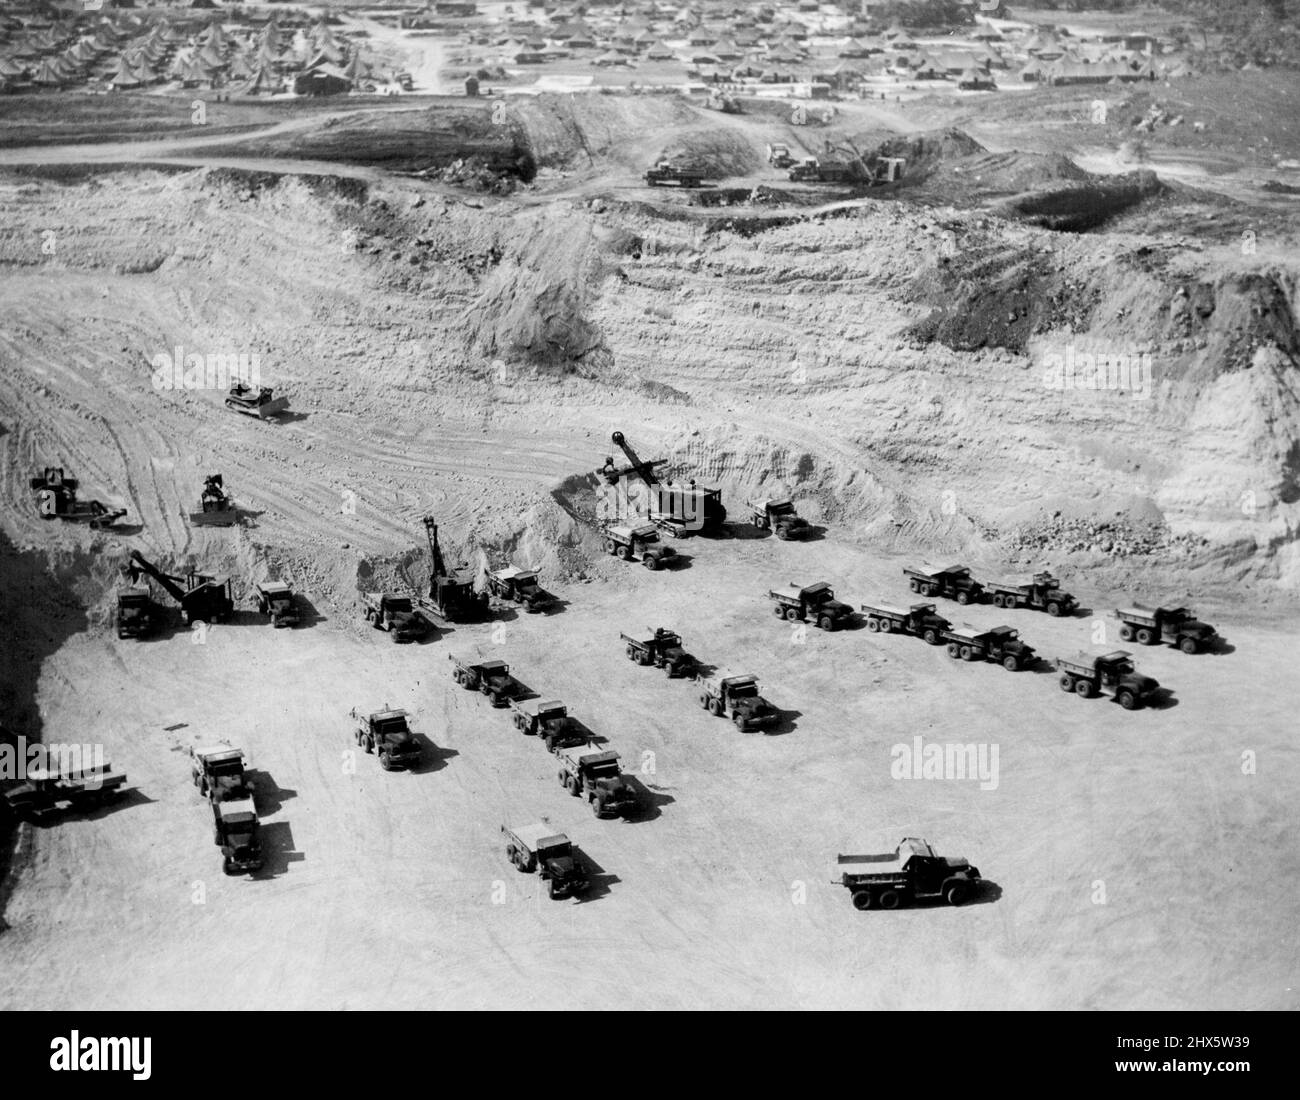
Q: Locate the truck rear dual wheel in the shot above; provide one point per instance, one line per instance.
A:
(954, 650)
(1125, 633)
(779, 611)
(622, 552)
(889, 899)
(792, 614)
(915, 586)
(861, 899)
(885, 626)
(967, 653)
(718, 708)
(1067, 683)
(1083, 688)
(873, 625)
(1144, 637)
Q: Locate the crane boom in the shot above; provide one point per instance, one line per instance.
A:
(172, 584)
(644, 470)
(431, 529)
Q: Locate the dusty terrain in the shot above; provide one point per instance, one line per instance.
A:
(465, 353)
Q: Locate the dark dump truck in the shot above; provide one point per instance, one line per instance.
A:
(395, 614)
(219, 772)
(953, 582)
(137, 617)
(275, 600)
(1111, 674)
(594, 774)
(548, 719)
(779, 517)
(919, 620)
(386, 733)
(911, 872)
(1177, 626)
(815, 602)
(1041, 592)
(519, 586)
(491, 677)
(65, 787)
(661, 648)
(1001, 644)
(666, 171)
(238, 833)
(541, 849)
(736, 696)
(638, 544)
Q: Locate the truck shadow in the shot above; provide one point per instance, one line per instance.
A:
(288, 417)
(433, 757)
(268, 795)
(1221, 647)
(984, 892)
(557, 606)
(1162, 698)
(785, 722)
(593, 738)
(598, 880)
(126, 530)
(681, 561)
(308, 613)
(127, 800)
(650, 801)
(278, 850)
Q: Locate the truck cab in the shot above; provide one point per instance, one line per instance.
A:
(135, 612)
(780, 517)
(386, 733)
(539, 848)
(595, 775)
(275, 599)
(237, 832)
(396, 614)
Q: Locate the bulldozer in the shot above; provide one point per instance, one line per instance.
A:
(202, 598)
(261, 403)
(56, 498)
(216, 509)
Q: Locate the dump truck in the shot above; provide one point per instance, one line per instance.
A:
(1001, 644)
(219, 772)
(735, 696)
(202, 597)
(238, 833)
(56, 498)
(1041, 591)
(661, 648)
(665, 172)
(78, 789)
(136, 615)
(548, 719)
(778, 155)
(386, 734)
(492, 678)
(261, 403)
(638, 544)
(813, 170)
(910, 872)
(394, 613)
(216, 508)
(919, 620)
(1177, 626)
(541, 849)
(813, 601)
(451, 593)
(1110, 674)
(594, 774)
(953, 582)
(275, 599)
(519, 586)
(779, 516)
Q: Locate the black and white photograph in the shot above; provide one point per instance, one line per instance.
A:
(650, 506)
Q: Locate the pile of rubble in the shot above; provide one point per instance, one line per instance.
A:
(1116, 538)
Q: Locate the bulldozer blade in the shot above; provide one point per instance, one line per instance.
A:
(263, 411)
(227, 518)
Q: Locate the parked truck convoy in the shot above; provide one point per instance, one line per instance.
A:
(736, 696)
(491, 677)
(541, 849)
(1110, 674)
(136, 617)
(913, 871)
(1176, 626)
(815, 602)
(594, 774)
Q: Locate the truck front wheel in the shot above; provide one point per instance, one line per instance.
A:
(963, 597)
(1188, 645)
(1054, 609)
(861, 899)
(650, 563)
(1010, 664)
(956, 893)
(1128, 700)
(1125, 633)
(826, 622)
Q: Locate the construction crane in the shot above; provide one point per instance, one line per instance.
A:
(201, 597)
(678, 510)
(450, 597)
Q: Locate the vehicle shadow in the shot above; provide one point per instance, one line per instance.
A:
(681, 561)
(1221, 647)
(984, 892)
(125, 801)
(557, 606)
(1163, 699)
(289, 417)
(746, 531)
(650, 801)
(433, 757)
(598, 880)
(785, 722)
(308, 613)
(125, 529)
(278, 850)
(592, 737)
(268, 795)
